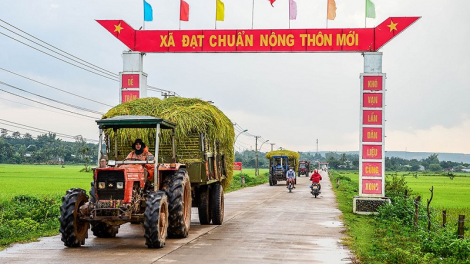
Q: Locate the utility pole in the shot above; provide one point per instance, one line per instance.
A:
(256, 155)
(272, 144)
(317, 145)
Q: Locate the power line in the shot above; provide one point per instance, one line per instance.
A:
(39, 130)
(59, 58)
(40, 108)
(54, 87)
(98, 70)
(97, 67)
(46, 104)
(56, 101)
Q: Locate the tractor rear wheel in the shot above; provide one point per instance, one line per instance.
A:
(103, 230)
(156, 219)
(73, 230)
(217, 204)
(178, 191)
(203, 207)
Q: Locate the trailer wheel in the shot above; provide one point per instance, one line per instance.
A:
(73, 230)
(217, 204)
(178, 191)
(103, 230)
(203, 207)
(156, 219)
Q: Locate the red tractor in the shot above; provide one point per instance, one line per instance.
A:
(159, 195)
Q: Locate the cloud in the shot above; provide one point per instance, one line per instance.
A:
(434, 139)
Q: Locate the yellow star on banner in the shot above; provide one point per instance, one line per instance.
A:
(118, 28)
(392, 26)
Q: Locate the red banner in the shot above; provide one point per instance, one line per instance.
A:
(130, 81)
(237, 166)
(372, 117)
(372, 169)
(373, 83)
(259, 40)
(372, 151)
(372, 100)
(371, 186)
(371, 134)
(129, 96)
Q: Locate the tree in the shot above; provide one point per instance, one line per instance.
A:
(4, 133)
(435, 167)
(16, 135)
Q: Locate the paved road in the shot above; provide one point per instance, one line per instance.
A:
(263, 224)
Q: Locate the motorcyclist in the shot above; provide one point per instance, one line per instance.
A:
(290, 177)
(316, 178)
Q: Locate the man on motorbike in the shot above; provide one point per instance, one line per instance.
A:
(316, 178)
(290, 177)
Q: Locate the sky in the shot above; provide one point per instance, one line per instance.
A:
(290, 99)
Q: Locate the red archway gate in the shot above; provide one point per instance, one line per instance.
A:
(364, 40)
(259, 40)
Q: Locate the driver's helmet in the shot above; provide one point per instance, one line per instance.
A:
(315, 171)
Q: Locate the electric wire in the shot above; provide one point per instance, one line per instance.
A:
(39, 130)
(98, 70)
(47, 104)
(42, 108)
(59, 58)
(55, 87)
(109, 72)
(56, 101)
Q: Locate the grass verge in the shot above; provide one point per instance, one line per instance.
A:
(390, 236)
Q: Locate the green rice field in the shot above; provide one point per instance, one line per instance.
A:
(41, 180)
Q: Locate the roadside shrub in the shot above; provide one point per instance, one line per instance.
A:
(24, 216)
(396, 186)
(400, 210)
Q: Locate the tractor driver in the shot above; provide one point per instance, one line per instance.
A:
(140, 151)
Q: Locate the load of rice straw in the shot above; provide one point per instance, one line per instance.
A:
(191, 116)
(292, 155)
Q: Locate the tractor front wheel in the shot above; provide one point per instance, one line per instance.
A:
(178, 191)
(156, 219)
(73, 230)
(270, 180)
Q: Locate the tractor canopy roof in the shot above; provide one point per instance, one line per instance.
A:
(134, 121)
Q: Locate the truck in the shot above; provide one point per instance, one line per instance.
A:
(187, 170)
(279, 163)
(304, 168)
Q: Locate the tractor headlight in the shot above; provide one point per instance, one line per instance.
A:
(120, 185)
(101, 185)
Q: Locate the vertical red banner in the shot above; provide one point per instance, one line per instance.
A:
(130, 81)
(372, 117)
(372, 169)
(372, 151)
(372, 100)
(371, 186)
(371, 134)
(129, 96)
(373, 83)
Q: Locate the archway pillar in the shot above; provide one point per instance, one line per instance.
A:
(371, 137)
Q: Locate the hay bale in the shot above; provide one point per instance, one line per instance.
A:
(292, 155)
(192, 116)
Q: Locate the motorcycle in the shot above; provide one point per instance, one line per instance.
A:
(315, 189)
(290, 185)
